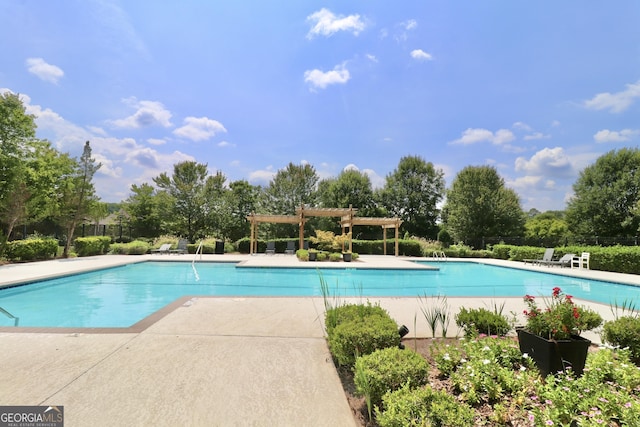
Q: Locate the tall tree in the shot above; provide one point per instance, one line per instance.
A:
(186, 189)
(242, 200)
(479, 205)
(412, 193)
(350, 188)
(547, 229)
(290, 188)
(142, 206)
(606, 196)
(17, 129)
(78, 195)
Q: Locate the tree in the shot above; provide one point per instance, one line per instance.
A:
(478, 205)
(412, 193)
(289, 189)
(17, 129)
(77, 195)
(242, 200)
(143, 207)
(546, 229)
(186, 189)
(606, 196)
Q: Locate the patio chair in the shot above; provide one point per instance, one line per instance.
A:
(547, 257)
(291, 247)
(581, 262)
(271, 248)
(565, 261)
(163, 249)
(182, 247)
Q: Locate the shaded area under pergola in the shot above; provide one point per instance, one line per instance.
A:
(347, 221)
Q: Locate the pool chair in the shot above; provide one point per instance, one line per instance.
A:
(182, 247)
(291, 247)
(547, 257)
(271, 248)
(565, 261)
(581, 262)
(163, 249)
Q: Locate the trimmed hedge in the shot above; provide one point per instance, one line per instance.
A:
(617, 259)
(137, 247)
(355, 330)
(88, 246)
(477, 321)
(388, 369)
(406, 247)
(31, 249)
(624, 332)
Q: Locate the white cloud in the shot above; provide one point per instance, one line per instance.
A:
(225, 144)
(371, 57)
(44, 71)
(377, 181)
(351, 167)
(320, 80)
(536, 135)
(199, 128)
(421, 55)
(325, 23)
(522, 126)
(409, 25)
(546, 162)
(148, 113)
(263, 176)
(156, 141)
(607, 135)
(472, 136)
(615, 102)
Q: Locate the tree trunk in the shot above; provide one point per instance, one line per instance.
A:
(67, 245)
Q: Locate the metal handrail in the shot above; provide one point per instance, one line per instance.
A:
(16, 320)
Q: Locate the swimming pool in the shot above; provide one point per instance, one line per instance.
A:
(121, 296)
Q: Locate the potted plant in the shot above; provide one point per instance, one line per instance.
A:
(551, 336)
(346, 256)
(313, 254)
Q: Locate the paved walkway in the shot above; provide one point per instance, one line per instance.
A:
(206, 360)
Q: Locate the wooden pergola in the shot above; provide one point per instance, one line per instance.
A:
(347, 221)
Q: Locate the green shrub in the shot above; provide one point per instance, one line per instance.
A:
(482, 321)
(624, 332)
(335, 256)
(302, 254)
(423, 407)
(321, 256)
(387, 370)
(137, 247)
(31, 249)
(88, 246)
(355, 330)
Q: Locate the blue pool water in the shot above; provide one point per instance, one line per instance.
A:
(120, 297)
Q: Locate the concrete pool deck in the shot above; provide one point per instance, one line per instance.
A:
(209, 360)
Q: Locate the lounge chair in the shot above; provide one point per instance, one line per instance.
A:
(581, 262)
(547, 257)
(291, 247)
(182, 247)
(271, 248)
(163, 249)
(565, 261)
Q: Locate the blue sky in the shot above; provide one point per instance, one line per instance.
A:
(539, 89)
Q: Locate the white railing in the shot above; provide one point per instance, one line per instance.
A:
(439, 255)
(198, 251)
(16, 320)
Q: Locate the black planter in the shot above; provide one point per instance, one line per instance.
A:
(219, 249)
(312, 256)
(551, 356)
(346, 257)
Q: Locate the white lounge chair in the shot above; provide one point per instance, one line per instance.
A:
(547, 257)
(581, 262)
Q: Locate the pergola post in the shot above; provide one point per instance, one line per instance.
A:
(384, 240)
(397, 233)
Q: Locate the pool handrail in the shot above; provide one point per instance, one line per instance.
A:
(16, 320)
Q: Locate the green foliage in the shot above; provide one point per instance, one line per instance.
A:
(445, 237)
(501, 251)
(302, 254)
(606, 196)
(31, 249)
(388, 369)
(436, 312)
(88, 246)
(477, 321)
(355, 330)
(478, 204)
(137, 247)
(335, 256)
(412, 193)
(406, 247)
(423, 407)
(624, 332)
(546, 229)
